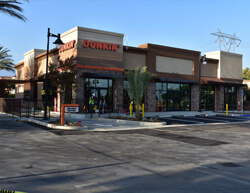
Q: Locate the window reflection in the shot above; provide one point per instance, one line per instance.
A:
(172, 96)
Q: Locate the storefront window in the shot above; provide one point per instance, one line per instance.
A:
(161, 96)
(207, 98)
(172, 97)
(101, 83)
(230, 98)
(185, 97)
(173, 86)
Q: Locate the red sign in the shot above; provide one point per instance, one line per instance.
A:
(67, 46)
(100, 45)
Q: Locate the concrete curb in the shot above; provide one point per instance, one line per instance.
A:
(141, 123)
(52, 126)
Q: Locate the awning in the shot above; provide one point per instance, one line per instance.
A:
(101, 75)
(13, 81)
(178, 81)
(217, 81)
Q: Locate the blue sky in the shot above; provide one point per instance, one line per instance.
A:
(184, 24)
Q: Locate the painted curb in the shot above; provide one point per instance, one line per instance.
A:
(134, 122)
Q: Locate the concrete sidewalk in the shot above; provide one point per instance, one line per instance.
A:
(104, 124)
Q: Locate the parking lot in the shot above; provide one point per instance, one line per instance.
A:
(189, 159)
(177, 120)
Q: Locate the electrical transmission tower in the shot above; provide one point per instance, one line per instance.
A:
(226, 40)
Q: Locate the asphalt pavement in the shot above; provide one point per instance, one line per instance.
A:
(189, 159)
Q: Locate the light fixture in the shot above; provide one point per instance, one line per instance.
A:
(58, 43)
(203, 59)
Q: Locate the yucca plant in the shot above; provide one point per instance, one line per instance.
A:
(138, 80)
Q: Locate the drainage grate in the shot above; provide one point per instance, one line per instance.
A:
(228, 164)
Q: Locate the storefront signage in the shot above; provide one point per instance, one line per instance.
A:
(67, 46)
(100, 45)
(71, 109)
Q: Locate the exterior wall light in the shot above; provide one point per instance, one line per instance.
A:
(203, 59)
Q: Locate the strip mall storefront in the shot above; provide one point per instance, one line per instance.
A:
(102, 60)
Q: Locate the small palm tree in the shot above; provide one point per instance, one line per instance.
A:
(6, 62)
(12, 8)
(138, 80)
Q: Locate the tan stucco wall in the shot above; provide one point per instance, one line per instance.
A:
(41, 64)
(209, 70)
(19, 73)
(29, 59)
(230, 64)
(174, 65)
(19, 91)
(131, 61)
(39, 90)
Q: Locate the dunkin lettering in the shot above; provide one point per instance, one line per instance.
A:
(67, 46)
(100, 45)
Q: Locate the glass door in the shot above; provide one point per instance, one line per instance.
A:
(173, 100)
(103, 100)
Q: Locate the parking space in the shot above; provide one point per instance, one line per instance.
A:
(202, 119)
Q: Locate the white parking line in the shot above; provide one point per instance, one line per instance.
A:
(232, 118)
(210, 118)
(225, 175)
(183, 120)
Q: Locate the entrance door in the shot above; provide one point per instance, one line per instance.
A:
(173, 100)
(100, 99)
(231, 100)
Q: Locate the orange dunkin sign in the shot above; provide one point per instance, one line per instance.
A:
(100, 45)
(67, 46)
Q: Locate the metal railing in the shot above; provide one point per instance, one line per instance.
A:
(24, 107)
(10, 106)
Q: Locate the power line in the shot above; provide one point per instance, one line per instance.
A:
(226, 39)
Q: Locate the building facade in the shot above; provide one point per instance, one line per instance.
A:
(181, 83)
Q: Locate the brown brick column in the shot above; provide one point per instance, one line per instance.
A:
(78, 96)
(219, 98)
(117, 95)
(195, 89)
(150, 98)
(239, 97)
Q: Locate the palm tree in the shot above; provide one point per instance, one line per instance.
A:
(137, 84)
(12, 8)
(6, 62)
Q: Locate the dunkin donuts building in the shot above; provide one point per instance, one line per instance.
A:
(182, 82)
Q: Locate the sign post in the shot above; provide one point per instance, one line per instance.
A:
(68, 108)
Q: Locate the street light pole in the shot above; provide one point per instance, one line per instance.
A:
(204, 62)
(58, 42)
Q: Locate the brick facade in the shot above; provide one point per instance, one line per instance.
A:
(195, 100)
(117, 95)
(151, 97)
(78, 95)
(219, 97)
(240, 97)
